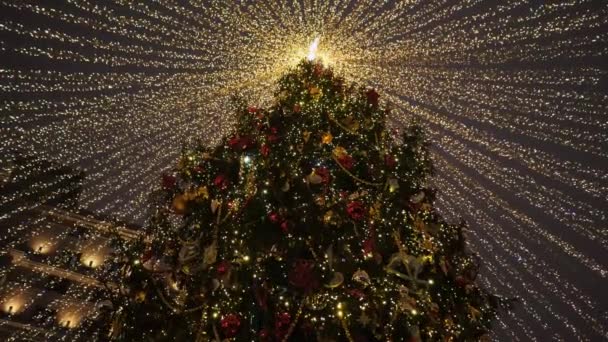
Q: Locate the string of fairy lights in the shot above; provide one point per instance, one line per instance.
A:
(510, 93)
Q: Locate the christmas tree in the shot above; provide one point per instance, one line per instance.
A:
(312, 222)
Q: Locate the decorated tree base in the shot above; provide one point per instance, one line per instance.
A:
(311, 222)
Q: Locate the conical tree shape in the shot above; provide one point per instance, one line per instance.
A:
(310, 223)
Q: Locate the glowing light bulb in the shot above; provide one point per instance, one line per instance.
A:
(312, 50)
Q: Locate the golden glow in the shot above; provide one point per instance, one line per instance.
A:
(69, 319)
(14, 305)
(42, 246)
(92, 259)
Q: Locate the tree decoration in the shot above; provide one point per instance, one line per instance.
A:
(221, 182)
(336, 280)
(230, 325)
(303, 275)
(362, 278)
(372, 97)
(319, 175)
(356, 210)
(308, 212)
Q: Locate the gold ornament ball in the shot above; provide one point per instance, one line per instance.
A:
(179, 204)
(140, 296)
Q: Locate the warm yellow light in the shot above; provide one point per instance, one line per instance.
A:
(70, 316)
(92, 260)
(69, 320)
(41, 244)
(14, 305)
(312, 50)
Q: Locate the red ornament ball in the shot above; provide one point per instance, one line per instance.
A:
(355, 210)
(274, 217)
(230, 325)
(223, 267)
(221, 182)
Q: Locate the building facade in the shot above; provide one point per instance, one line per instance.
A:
(57, 264)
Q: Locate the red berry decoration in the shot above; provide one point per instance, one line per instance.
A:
(230, 325)
(355, 210)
